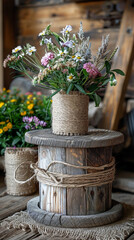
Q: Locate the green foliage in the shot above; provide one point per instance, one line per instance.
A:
(13, 108)
(119, 71)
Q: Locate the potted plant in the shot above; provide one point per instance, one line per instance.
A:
(19, 114)
(71, 71)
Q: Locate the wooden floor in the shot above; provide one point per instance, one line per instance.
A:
(11, 204)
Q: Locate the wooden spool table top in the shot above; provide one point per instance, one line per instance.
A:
(94, 139)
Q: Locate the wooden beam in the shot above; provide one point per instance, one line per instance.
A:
(1, 45)
(114, 96)
(9, 36)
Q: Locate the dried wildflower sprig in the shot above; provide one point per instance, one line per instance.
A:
(109, 59)
(102, 51)
(67, 65)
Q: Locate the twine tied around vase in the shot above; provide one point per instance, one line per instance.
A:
(95, 176)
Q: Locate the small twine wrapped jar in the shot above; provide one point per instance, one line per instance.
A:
(17, 165)
(70, 113)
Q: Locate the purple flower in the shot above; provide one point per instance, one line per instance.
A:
(30, 119)
(35, 119)
(42, 123)
(25, 119)
(27, 127)
(92, 70)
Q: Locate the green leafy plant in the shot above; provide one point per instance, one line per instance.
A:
(68, 65)
(19, 114)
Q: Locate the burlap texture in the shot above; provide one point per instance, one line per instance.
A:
(13, 159)
(116, 231)
(70, 113)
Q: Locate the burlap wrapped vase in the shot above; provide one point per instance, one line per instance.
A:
(18, 171)
(70, 113)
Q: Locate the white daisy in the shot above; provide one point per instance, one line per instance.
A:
(61, 53)
(42, 33)
(17, 49)
(78, 58)
(30, 50)
(70, 77)
(73, 57)
(66, 30)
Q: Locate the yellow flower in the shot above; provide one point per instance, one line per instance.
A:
(1, 104)
(30, 106)
(13, 100)
(7, 120)
(4, 89)
(28, 102)
(9, 125)
(8, 91)
(1, 123)
(31, 112)
(29, 96)
(34, 98)
(5, 129)
(1, 131)
(23, 113)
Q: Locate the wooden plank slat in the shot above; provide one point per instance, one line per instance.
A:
(98, 197)
(11, 204)
(52, 199)
(14, 234)
(124, 181)
(26, 26)
(114, 96)
(124, 197)
(76, 197)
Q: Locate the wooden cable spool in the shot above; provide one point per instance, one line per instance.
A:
(93, 149)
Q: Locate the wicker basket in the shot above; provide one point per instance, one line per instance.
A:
(17, 163)
(70, 113)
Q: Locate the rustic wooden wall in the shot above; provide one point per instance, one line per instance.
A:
(9, 35)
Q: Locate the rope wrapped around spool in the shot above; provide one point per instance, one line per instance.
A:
(96, 176)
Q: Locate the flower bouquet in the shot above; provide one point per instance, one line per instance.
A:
(70, 69)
